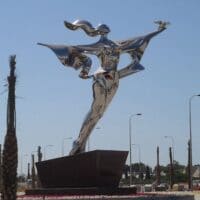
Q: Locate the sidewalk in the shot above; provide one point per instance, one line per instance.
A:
(144, 196)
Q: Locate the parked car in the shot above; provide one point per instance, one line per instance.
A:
(148, 188)
(162, 187)
(196, 184)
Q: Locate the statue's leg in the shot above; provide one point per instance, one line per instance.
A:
(102, 95)
(112, 86)
(94, 114)
(130, 69)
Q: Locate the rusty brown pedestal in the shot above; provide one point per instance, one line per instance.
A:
(99, 168)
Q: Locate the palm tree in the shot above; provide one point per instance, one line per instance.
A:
(10, 156)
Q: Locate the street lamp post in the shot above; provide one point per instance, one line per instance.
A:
(130, 144)
(172, 139)
(22, 162)
(50, 145)
(139, 151)
(190, 139)
(63, 143)
(139, 157)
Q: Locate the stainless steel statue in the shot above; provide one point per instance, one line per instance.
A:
(106, 78)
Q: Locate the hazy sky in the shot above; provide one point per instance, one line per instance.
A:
(52, 100)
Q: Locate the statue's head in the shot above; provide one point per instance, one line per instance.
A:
(103, 29)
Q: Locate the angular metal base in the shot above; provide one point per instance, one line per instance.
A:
(99, 168)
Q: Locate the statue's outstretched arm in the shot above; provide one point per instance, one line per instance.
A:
(141, 42)
(92, 49)
(136, 47)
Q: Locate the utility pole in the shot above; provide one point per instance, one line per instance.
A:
(171, 169)
(0, 170)
(190, 142)
(10, 151)
(39, 160)
(28, 172)
(33, 171)
(39, 154)
(157, 168)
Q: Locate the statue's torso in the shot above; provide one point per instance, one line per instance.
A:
(108, 55)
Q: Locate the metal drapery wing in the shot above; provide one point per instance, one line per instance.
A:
(82, 24)
(62, 52)
(70, 56)
(132, 68)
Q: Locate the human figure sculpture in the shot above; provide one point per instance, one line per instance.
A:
(106, 78)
